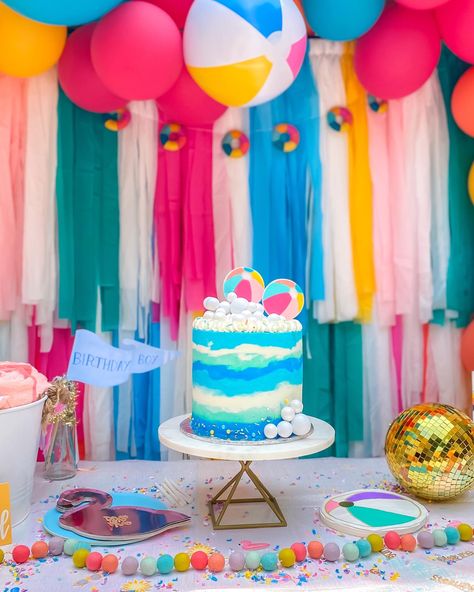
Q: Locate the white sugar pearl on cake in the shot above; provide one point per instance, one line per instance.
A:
(219, 314)
(301, 424)
(246, 313)
(239, 305)
(237, 317)
(297, 405)
(288, 413)
(285, 429)
(208, 314)
(270, 431)
(231, 296)
(273, 317)
(224, 306)
(211, 303)
(260, 307)
(258, 314)
(252, 307)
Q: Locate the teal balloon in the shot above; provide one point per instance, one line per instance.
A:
(342, 20)
(63, 12)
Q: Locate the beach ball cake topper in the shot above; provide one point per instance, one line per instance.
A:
(244, 282)
(283, 297)
(244, 52)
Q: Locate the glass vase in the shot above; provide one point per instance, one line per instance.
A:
(60, 459)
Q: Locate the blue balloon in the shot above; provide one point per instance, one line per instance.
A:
(63, 12)
(342, 20)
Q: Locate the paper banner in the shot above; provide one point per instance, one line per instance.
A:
(97, 363)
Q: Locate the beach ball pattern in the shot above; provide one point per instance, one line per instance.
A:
(245, 282)
(235, 144)
(283, 297)
(251, 51)
(285, 137)
(377, 105)
(339, 119)
(172, 137)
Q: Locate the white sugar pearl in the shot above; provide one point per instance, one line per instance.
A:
(246, 313)
(239, 305)
(273, 317)
(258, 314)
(211, 303)
(225, 306)
(208, 314)
(260, 307)
(237, 317)
(297, 405)
(285, 429)
(288, 413)
(219, 314)
(252, 307)
(301, 424)
(231, 296)
(270, 431)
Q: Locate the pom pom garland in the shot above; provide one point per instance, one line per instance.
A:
(237, 561)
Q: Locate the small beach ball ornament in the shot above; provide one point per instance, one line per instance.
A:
(283, 297)
(244, 52)
(235, 144)
(430, 451)
(245, 282)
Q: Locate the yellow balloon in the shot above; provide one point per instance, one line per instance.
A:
(470, 183)
(27, 47)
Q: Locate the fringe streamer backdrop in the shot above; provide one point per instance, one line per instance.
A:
(113, 232)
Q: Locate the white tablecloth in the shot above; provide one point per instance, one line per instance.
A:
(299, 485)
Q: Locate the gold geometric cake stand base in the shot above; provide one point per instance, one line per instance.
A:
(218, 505)
(170, 435)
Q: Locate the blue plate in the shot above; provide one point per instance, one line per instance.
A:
(51, 519)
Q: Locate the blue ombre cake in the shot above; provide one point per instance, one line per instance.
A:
(243, 374)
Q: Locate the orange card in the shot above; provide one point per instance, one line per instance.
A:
(5, 515)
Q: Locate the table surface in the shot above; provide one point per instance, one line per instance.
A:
(300, 486)
(171, 436)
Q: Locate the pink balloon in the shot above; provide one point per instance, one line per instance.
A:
(422, 4)
(78, 78)
(137, 51)
(399, 53)
(456, 25)
(187, 104)
(177, 9)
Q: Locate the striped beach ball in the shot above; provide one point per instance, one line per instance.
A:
(244, 52)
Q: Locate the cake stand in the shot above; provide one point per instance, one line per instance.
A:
(170, 435)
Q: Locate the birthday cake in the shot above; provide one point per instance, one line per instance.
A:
(247, 362)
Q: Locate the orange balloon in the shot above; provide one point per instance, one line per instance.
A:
(470, 183)
(462, 101)
(467, 348)
(28, 48)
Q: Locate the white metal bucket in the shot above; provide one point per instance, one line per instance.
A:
(20, 430)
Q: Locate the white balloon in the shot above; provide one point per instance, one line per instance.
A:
(270, 431)
(301, 424)
(297, 405)
(211, 303)
(285, 429)
(288, 413)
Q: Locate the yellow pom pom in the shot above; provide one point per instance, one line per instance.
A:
(79, 558)
(287, 557)
(376, 542)
(182, 562)
(465, 531)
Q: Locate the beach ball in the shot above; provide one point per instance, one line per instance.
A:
(430, 451)
(283, 297)
(244, 52)
(245, 282)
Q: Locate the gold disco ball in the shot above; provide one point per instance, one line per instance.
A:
(430, 451)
